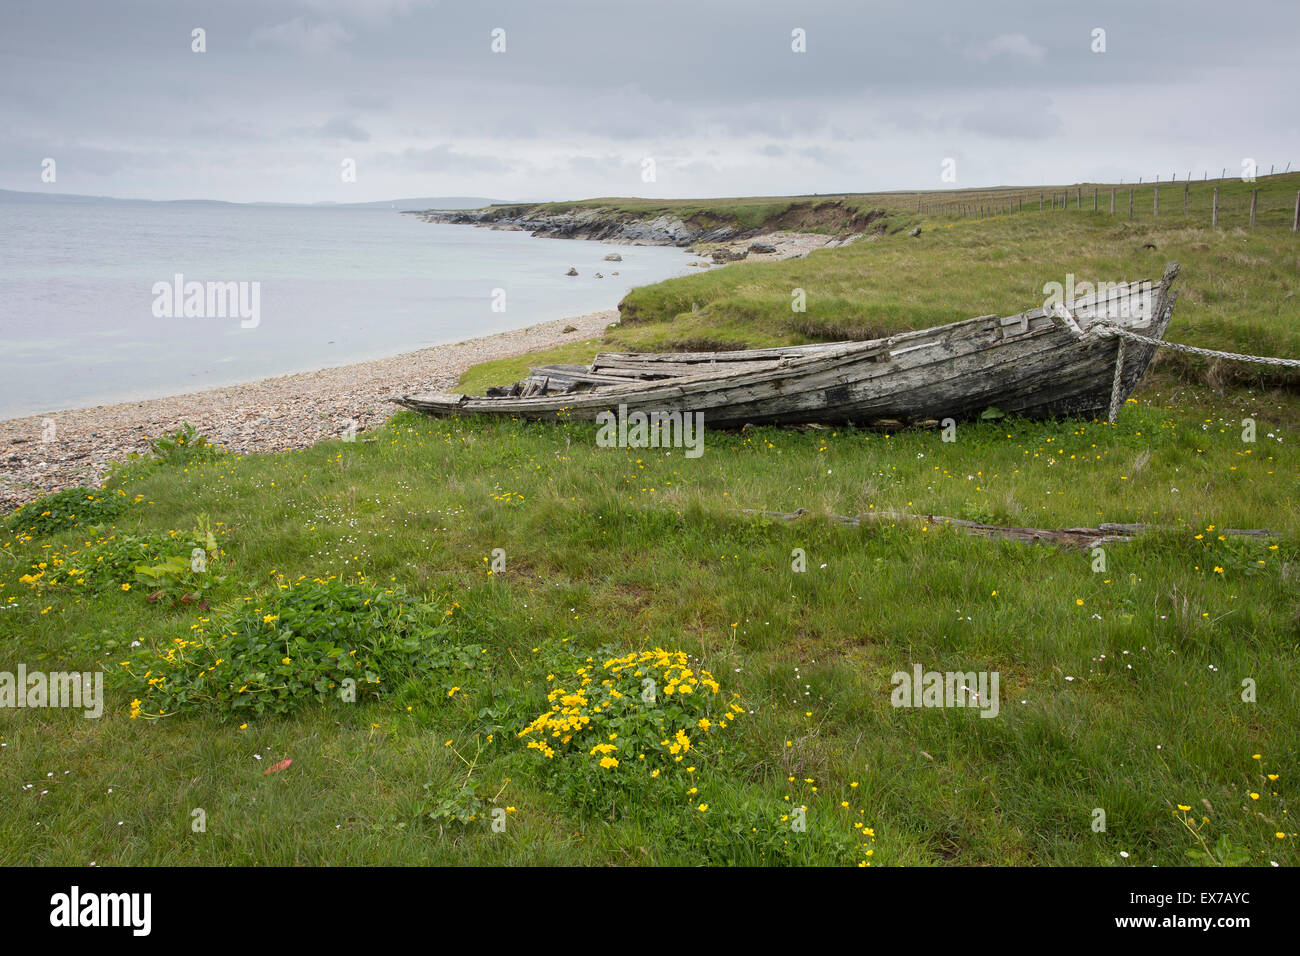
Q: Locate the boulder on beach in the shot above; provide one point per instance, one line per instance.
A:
(915, 232)
(762, 248)
(613, 257)
(572, 271)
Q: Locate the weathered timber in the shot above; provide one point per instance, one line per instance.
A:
(1105, 533)
(1038, 363)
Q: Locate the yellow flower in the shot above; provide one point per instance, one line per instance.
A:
(268, 618)
(609, 763)
(1183, 808)
(126, 587)
(703, 808)
(286, 660)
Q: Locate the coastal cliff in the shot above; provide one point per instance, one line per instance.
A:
(661, 226)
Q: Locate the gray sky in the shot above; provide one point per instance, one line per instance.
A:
(585, 92)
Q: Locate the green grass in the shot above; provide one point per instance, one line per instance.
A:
(628, 549)
(1120, 690)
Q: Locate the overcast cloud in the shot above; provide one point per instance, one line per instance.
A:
(411, 90)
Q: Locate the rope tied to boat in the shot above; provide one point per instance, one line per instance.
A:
(1103, 330)
(1116, 395)
(1107, 331)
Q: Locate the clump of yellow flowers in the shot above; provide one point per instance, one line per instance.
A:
(644, 709)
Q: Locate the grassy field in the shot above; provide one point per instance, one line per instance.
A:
(484, 570)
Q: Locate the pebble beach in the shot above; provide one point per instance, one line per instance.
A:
(48, 452)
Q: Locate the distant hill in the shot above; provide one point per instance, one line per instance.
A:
(435, 202)
(425, 202)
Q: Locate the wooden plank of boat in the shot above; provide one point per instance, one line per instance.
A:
(679, 369)
(742, 355)
(1033, 363)
(580, 375)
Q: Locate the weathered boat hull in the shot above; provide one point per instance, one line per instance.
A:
(1036, 364)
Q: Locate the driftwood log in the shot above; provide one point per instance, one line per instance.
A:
(1084, 538)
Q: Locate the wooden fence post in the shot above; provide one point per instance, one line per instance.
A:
(1078, 197)
(1214, 214)
(1130, 202)
(1094, 198)
(1295, 223)
(1155, 200)
(1254, 196)
(1112, 200)
(1187, 187)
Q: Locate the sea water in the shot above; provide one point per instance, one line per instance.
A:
(81, 283)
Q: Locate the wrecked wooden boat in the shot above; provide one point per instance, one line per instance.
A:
(1060, 359)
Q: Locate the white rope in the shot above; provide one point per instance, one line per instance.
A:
(1116, 399)
(1106, 331)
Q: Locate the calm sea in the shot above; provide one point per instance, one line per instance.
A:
(78, 322)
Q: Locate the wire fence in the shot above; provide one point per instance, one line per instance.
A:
(1267, 201)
